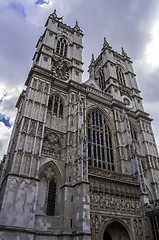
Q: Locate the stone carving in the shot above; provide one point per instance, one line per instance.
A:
(32, 129)
(49, 173)
(25, 125)
(51, 145)
(126, 92)
(40, 128)
(138, 227)
(112, 175)
(105, 197)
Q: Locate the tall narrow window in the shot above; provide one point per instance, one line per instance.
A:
(133, 132)
(50, 103)
(100, 147)
(62, 47)
(55, 105)
(51, 198)
(102, 79)
(120, 76)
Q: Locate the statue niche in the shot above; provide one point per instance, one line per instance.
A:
(51, 146)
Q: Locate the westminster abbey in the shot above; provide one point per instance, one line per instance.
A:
(82, 162)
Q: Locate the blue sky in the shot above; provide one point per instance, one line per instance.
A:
(18, 8)
(41, 2)
(133, 25)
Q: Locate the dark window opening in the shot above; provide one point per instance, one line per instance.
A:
(62, 47)
(55, 105)
(50, 104)
(120, 76)
(51, 198)
(101, 79)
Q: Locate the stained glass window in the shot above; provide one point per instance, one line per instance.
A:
(100, 147)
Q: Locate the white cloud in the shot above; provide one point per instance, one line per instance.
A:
(5, 133)
(152, 47)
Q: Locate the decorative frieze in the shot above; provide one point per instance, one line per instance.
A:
(112, 175)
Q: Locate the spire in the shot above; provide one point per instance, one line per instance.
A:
(77, 28)
(105, 44)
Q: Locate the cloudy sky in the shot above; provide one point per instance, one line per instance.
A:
(132, 24)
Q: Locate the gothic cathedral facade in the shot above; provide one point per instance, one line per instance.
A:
(82, 162)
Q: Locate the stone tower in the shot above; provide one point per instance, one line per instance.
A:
(82, 162)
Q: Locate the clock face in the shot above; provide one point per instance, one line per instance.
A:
(60, 73)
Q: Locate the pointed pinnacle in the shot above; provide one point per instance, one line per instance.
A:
(123, 52)
(92, 60)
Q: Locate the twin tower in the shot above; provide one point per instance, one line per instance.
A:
(82, 162)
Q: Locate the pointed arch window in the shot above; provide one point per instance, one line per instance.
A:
(120, 75)
(55, 105)
(133, 131)
(62, 47)
(51, 198)
(100, 149)
(101, 79)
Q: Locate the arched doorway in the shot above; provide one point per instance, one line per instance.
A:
(116, 231)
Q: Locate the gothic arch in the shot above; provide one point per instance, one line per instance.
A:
(106, 115)
(49, 172)
(121, 223)
(65, 37)
(60, 95)
(55, 169)
(62, 44)
(100, 140)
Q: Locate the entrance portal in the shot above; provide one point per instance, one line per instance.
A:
(116, 231)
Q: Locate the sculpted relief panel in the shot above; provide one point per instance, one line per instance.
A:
(114, 197)
(51, 145)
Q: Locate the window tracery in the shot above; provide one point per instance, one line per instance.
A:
(120, 75)
(55, 105)
(100, 149)
(62, 47)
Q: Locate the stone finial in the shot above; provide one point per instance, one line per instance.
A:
(105, 44)
(123, 52)
(55, 16)
(77, 28)
(92, 60)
